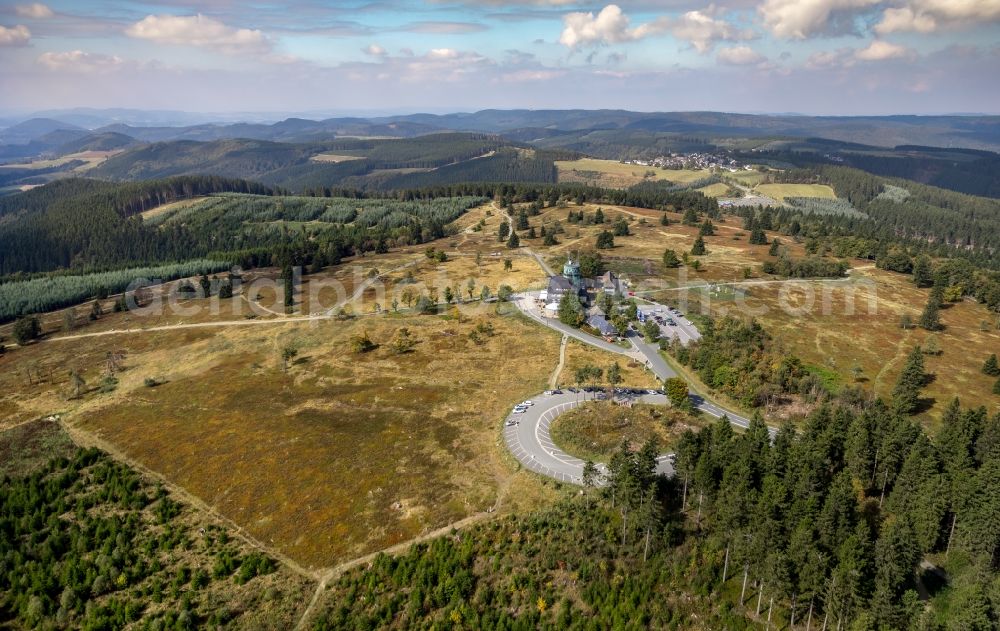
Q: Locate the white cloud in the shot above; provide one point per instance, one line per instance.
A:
(926, 16)
(14, 35)
(702, 30)
(739, 56)
(798, 19)
(35, 10)
(904, 19)
(201, 31)
(79, 61)
(610, 26)
(374, 50)
(442, 53)
(880, 50)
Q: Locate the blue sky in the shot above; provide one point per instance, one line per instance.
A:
(808, 56)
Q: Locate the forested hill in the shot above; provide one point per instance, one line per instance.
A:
(87, 225)
(82, 223)
(367, 164)
(910, 210)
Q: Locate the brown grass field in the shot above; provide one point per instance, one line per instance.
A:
(579, 354)
(341, 454)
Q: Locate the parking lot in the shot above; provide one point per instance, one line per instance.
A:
(671, 321)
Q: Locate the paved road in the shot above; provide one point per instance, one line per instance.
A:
(530, 442)
(528, 438)
(526, 305)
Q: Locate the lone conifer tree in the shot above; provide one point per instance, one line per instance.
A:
(991, 367)
(699, 246)
(930, 319)
(911, 380)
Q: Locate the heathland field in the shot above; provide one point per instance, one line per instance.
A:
(317, 445)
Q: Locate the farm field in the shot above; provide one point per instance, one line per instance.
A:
(90, 160)
(616, 174)
(714, 190)
(595, 430)
(781, 191)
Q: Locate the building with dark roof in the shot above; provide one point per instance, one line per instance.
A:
(601, 323)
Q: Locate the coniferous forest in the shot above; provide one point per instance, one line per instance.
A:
(828, 525)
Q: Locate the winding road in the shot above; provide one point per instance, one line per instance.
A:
(527, 434)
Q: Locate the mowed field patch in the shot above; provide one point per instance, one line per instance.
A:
(334, 158)
(781, 191)
(172, 206)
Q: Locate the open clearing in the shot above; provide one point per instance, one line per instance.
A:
(334, 158)
(781, 191)
(172, 206)
(337, 456)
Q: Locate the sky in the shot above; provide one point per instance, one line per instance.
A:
(829, 57)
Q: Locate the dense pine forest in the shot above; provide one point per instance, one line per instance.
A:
(955, 221)
(832, 525)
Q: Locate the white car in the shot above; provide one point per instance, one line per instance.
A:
(547, 393)
(528, 402)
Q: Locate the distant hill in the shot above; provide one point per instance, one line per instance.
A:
(103, 141)
(294, 165)
(33, 129)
